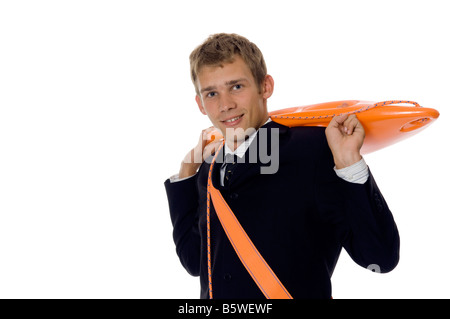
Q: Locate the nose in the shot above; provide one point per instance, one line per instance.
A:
(226, 103)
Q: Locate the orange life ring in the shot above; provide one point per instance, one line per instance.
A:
(385, 123)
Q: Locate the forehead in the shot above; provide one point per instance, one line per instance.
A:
(224, 72)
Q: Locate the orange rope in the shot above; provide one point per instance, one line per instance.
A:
(208, 223)
(365, 108)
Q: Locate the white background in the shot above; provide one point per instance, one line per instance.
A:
(97, 110)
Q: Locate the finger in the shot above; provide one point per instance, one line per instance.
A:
(350, 124)
(214, 135)
(337, 122)
(340, 119)
(207, 131)
(209, 134)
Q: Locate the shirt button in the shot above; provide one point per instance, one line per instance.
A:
(227, 277)
(234, 196)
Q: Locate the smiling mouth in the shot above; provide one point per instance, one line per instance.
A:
(234, 119)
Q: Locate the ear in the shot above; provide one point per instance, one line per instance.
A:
(200, 104)
(267, 86)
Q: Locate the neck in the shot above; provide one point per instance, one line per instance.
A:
(232, 145)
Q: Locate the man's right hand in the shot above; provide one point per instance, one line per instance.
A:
(204, 148)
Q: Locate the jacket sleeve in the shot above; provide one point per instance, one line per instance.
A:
(359, 211)
(183, 203)
(373, 241)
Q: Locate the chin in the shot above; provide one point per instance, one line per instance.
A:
(238, 134)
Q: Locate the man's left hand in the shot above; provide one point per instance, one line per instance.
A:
(345, 136)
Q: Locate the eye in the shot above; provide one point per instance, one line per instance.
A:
(211, 94)
(237, 87)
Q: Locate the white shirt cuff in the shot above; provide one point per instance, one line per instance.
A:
(176, 178)
(357, 173)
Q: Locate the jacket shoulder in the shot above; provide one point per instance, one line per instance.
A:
(301, 139)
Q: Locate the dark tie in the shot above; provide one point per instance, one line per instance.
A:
(230, 164)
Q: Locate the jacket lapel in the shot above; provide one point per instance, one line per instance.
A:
(258, 155)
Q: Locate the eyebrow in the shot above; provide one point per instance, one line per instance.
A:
(228, 83)
(233, 82)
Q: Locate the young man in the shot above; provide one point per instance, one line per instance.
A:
(319, 197)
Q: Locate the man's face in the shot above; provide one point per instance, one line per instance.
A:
(231, 98)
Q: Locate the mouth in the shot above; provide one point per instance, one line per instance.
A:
(233, 121)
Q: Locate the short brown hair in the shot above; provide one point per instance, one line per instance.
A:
(221, 48)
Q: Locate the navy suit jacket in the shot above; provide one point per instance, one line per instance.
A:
(299, 218)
